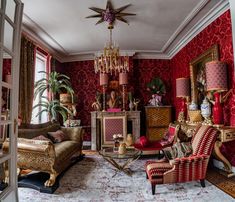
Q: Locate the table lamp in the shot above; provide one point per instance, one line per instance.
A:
(103, 82)
(183, 91)
(123, 81)
(216, 80)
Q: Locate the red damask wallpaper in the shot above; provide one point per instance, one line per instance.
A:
(218, 32)
(6, 68)
(85, 82)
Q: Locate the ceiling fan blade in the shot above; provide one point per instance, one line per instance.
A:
(118, 10)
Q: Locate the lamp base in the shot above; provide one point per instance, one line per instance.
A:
(207, 121)
(217, 110)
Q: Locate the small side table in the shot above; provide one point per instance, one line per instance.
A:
(114, 159)
(227, 134)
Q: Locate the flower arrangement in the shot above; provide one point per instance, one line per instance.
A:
(156, 86)
(118, 137)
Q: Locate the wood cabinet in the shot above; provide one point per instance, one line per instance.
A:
(157, 121)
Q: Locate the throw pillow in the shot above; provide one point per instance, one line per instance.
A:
(170, 153)
(143, 141)
(187, 148)
(178, 150)
(58, 136)
(41, 137)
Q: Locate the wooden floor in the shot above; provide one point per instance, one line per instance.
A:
(222, 182)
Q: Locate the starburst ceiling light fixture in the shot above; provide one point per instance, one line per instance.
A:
(110, 60)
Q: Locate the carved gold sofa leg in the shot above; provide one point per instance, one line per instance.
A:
(51, 181)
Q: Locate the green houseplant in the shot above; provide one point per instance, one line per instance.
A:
(157, 89)
(156, 86)
(54, 83)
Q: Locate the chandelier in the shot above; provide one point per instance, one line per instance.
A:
(110, 61)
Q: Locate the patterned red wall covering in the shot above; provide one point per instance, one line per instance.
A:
(218, 32)
(6, 68)
(85, 82)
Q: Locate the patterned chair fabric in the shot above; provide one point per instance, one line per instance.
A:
(185, 169)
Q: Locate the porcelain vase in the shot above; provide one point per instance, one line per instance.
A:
(206, 108)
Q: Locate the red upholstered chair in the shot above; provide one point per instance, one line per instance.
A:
(186, 168)
(153, 147)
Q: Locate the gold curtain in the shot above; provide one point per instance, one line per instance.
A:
(26, 91)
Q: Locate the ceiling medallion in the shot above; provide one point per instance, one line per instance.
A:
(110, 60)
(110, 14)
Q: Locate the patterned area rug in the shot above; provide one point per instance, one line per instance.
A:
(221, 181)
(91, 180)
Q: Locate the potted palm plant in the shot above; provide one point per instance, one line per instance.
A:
(54, 83)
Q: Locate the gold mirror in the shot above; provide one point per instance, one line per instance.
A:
(198, 75)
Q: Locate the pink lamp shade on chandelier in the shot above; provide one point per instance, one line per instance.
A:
(216, 76)
(123, 78)
(182, 87)
(103, 79)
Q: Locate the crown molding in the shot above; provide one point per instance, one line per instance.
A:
(212, 15)
(186, 21)
(167, 51)
(78, 57)
(151, 55)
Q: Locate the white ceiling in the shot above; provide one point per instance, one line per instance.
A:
(157, 31)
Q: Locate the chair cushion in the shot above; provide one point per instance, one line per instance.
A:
(157, 169)
(58, 136)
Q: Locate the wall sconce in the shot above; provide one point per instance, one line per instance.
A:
(123, 81)
(183, 92)
(104, 82)
(216, 80)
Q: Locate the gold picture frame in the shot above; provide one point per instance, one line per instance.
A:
(197, 73)
(110, 126)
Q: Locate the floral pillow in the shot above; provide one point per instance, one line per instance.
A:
(41, 137)
(178, 150)
(58, 136)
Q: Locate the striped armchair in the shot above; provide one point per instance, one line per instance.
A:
(185, 169)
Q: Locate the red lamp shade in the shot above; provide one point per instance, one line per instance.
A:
(123, 78)
(104, 79)
(216, 76)
(182, 87)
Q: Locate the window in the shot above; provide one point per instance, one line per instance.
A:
(40, 65)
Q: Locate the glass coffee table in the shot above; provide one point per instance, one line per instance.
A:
(121, 162)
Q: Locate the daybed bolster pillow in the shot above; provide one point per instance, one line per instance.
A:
(35, 145)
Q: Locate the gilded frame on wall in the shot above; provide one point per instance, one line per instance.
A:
(197, 73)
